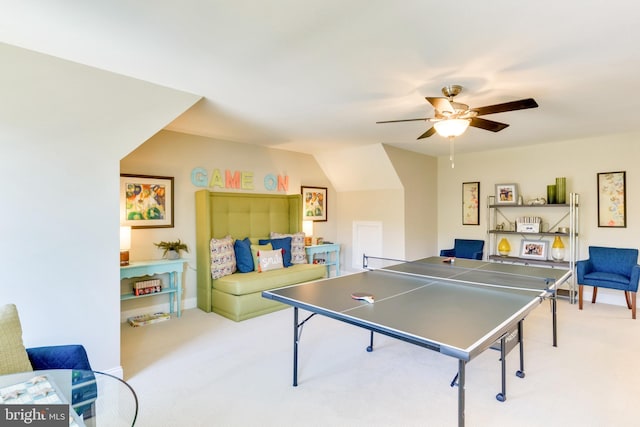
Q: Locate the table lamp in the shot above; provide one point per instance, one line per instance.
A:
(125, 244)
(307, 228)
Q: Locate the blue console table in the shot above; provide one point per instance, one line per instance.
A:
(331, 252)
(149, 268)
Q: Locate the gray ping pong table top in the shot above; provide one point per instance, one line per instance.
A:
(454, 318)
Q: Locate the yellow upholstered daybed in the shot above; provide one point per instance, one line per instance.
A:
(238, 296)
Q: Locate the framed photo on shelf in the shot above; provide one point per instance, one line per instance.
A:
(146, 201)
(534, 249)
(470, 203)
(506, 194)
(314, 203)
(612, 199)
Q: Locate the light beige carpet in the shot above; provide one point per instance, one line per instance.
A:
(205, 370)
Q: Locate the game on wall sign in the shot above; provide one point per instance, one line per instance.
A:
(237, 180)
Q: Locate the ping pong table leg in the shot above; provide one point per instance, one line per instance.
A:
(370, 348)
(461, 367)
(502, 396)
(295, 346)
(520, 373)
(554, 298)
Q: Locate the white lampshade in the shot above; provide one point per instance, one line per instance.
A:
(451, 127)
(125, 238)
(307, 228)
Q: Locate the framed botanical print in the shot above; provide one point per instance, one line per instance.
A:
(470, 203)
(612, 199)
(314, 203)
(146, 201)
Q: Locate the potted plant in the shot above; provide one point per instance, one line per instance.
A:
(172, 249)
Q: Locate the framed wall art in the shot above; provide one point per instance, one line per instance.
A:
(314, 203)
(506, 194)
(612, 199)
(534, 249)
(470, 203)
(146, 201)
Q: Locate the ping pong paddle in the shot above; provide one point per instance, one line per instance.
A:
(363, 296)
(449, 260)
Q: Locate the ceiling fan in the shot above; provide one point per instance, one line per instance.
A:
(452, 118)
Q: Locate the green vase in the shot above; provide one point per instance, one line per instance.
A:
(561, 190)
(551, 194)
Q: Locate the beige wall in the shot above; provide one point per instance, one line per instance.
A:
(533, 168)
(63, 129)
(419, 175)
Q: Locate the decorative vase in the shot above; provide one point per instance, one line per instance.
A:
(551, 194)
(504, 247)
(561, 190)
(557, 249)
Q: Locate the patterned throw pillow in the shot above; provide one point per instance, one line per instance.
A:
(223, 258)
(270, 260)
(298, 254)
(13, 356)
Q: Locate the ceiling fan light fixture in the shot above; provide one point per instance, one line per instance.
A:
(451, 127)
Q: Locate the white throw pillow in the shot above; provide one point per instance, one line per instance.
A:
(270, 260)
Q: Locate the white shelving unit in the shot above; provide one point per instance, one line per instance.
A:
(561, 215)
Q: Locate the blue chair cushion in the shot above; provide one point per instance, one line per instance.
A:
(71, 356)
(465, 248)
(613, 260)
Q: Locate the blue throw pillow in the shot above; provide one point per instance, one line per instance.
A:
(244, 260)
(282, 243)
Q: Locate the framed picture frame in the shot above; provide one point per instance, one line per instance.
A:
(506, 194)
(470, 203)
(314, 203)
(146, 201)
(612, 199)
(534, 249)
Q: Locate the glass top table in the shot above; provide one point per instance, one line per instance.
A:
(95, 399)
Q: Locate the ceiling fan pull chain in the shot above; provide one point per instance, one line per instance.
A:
(451, 151)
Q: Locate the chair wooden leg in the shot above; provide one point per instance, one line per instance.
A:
(626, 296)
(633, 305)
(595, 294)
(580, 291)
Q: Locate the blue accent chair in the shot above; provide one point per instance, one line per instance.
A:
(465, 248)
(613, 268)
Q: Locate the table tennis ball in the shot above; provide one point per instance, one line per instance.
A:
(557, 249)
(504, 247)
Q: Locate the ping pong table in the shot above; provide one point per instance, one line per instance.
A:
(458, 308)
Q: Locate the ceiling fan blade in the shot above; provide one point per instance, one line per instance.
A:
(428, 133)
(441, 104)
(405, 120)
(507, 106)
(487, 124)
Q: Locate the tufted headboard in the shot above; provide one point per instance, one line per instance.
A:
(239, 215)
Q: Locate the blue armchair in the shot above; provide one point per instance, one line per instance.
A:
(465, 248)
(613, 268)
(15, 358)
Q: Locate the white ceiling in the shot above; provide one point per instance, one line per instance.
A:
(308, 75)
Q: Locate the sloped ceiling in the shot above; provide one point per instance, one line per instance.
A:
(316, 76)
